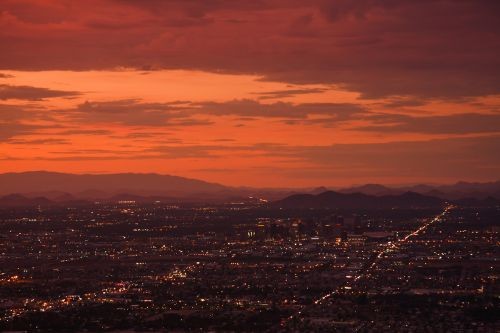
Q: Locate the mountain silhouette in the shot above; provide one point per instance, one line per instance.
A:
(111, 184)
(331, 199)
(18, 200)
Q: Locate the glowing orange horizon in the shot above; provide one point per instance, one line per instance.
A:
(311, 95)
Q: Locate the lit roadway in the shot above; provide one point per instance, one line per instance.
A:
(372, 263)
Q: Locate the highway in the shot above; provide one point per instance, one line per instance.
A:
(372, 263)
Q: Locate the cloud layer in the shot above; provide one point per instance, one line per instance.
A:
(266, 92)
(436, 48)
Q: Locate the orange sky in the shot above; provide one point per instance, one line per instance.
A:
(278, 94)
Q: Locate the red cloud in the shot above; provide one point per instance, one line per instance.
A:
(435, 48)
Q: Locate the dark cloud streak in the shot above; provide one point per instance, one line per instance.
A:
(32, 93)
(434, 49)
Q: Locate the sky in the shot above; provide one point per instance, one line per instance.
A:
(277, 93)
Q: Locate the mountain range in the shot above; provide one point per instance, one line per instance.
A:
(63, 187)
(42, 187)
(331, 199)
(459, 190)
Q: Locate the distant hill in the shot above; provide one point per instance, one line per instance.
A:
(331, 199)
(318, 190)
(371, 189)
(460, 190)
(17, 200)
(62, 184)
(60, 188)
(63, 187)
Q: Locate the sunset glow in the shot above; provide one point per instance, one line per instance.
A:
(286, 93)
